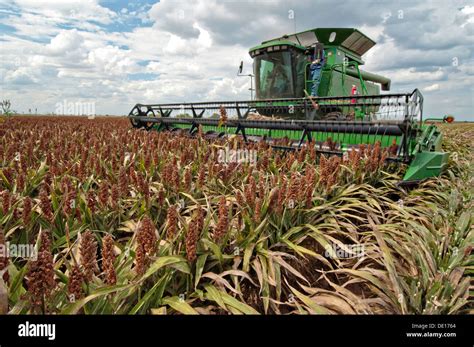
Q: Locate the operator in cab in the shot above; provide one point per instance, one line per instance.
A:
(317, 62)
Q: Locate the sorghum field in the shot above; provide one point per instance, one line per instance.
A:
(133, 222)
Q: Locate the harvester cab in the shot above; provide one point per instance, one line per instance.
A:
(283, 68)
(335, 109)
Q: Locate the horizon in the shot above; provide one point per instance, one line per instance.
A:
(115, 55)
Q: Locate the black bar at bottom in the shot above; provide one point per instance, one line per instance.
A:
(338, 330)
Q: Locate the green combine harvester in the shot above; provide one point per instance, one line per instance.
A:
(337, 110)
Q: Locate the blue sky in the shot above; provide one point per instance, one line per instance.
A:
(116, 53)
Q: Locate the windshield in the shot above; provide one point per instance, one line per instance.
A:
(274, 75)
(280, 74)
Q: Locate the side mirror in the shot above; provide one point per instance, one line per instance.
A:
(448, 119)
(241, 66)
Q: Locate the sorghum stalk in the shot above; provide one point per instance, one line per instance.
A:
(146, 245)
(172, 222)
(223, 220)
(88, 252)
(40, 279)
(192, 236)
(108, 259)
(46, 203)
(27, 206)
(4, 260)
(6, 201)
(74, 287)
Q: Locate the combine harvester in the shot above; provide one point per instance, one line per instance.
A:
(347, 111)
